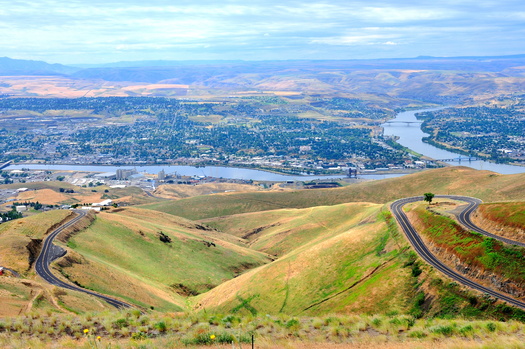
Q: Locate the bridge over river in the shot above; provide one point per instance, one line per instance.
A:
(459, 159)
(392, 122)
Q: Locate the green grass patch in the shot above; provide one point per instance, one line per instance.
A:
(474, 249)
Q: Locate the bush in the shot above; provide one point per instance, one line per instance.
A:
(491, 327)
(121, 323)
(292, 323)
(466, 330)
(417, 334)
(443, 330)
(161, 326)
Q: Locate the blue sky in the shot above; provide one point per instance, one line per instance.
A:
(96, 31)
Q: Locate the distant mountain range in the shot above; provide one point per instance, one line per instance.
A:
(191, 72)
(9, 66)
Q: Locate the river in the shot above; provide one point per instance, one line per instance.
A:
(211, 171)
(410, 136)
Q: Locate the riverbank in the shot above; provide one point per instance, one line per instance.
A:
(411, 136)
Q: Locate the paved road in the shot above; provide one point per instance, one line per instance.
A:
(14, 273)
(464, 219)
(51, 252)
(424, 252)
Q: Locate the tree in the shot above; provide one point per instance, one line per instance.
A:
(428, 197)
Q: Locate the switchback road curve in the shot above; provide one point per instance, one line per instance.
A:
(51, 252)
(464, 218)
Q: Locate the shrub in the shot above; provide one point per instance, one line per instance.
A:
(121, 323)
(293, 323)
(491, 327)
(417, 334)
(466, 330)
(161, 326)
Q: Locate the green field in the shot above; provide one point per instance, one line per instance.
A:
(126, 247)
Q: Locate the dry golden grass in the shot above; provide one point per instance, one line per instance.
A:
(51, 197)
(54, 86)
(14, 253)
(381, 342)
(135, 218)
(14, 296)
(155, 87)
(16, 235)
(284, 93)
(44, 196)
(280, 231)
(24, 296)
(177, 191)
(485, 185)
(122, 255)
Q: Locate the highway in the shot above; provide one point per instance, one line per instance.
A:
(50, 252)
(464, 218)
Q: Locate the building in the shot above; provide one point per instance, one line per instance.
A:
(97, 209)
(123, 174)
(161, 176)
(107, 202)
(21, 208)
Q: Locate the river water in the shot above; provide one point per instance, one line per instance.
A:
(211, 171)
(410, 136)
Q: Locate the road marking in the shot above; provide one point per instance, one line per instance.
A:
(43, 261)
(419, 246)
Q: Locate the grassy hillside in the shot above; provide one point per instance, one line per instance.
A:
(488, 261)
(485, 185)
(328, 270)
(122, 254)
(347, 258)
(48, 193)
(19, 245)
(346, 264)
(278, 232)
(179, 191)
(16, 235)
(506, 219)
(507, 214)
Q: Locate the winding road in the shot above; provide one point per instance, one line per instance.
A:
(50, 252)
(463, 218)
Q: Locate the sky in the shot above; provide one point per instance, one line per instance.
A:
(103, 31)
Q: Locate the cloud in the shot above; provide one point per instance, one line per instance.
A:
(285, 29)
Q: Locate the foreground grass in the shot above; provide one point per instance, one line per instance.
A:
(131, 329)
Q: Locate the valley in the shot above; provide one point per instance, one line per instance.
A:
(313, 254)
(251, 253)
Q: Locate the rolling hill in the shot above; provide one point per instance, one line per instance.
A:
(314, 265)
(486, 185)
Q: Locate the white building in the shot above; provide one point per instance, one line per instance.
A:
(107, 202)
(21, 208)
